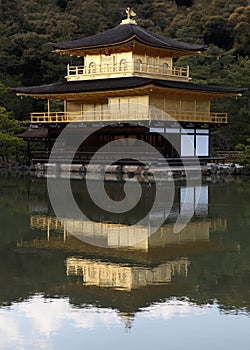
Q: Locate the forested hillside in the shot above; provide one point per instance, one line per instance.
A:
(27, 26)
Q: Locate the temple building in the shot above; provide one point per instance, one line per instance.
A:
(128, 88)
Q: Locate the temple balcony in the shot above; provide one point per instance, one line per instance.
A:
(127, 69)
(131, 115)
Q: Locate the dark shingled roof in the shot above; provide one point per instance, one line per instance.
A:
(38, 133)
(120, 83)
(124, 33)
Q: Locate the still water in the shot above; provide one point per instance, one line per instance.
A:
(187, 290)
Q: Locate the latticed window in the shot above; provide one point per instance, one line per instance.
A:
(150, 64)
(123, 65)
(107, 63)
(138, 65)
(164, 68)
(92, 67)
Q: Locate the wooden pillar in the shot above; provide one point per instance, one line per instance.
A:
(64, 233)
(165, 146)
(48, 107)
(49, 141)
(48, 230)
(27, 159)
(28, 148)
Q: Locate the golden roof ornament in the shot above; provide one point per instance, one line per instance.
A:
(129, 20)
(130, 13)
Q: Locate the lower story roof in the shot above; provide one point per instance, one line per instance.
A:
(34, 133)
(98, 85)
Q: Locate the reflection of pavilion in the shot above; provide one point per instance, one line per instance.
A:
(152, 263)
(127, 279)
(132, 243)
(119, 236)
(114, 231)
(124, 277)
(151, 260)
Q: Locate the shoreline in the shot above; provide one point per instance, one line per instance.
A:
(129, 173)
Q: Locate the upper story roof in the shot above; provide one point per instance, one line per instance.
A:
(125, 33)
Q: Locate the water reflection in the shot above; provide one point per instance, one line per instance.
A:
(124, 277)
(113, 234)
(52, 282)
(115, 231)
(44, 320)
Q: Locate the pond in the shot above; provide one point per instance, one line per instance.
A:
(75, 284)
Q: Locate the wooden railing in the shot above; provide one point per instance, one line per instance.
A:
(128, 115)
(229, 156)
(119, 157)
(127, 69)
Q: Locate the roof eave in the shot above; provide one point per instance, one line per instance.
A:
(64, 50)
(149, 83)
(84, 49)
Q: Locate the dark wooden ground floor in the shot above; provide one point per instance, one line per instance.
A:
(169, 139)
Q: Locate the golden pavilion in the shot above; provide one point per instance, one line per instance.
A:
(125, 71)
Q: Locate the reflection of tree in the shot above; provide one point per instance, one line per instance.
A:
(226, 276)
(224, 279)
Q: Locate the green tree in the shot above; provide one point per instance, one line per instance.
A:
(245, 158)
(239, 22)
(10, 145)
(27, 27)
(220, 67)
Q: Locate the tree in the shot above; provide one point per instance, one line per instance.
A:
(220, 67)
(187, 3)
(245, 158)
(239, 22)
(27, 27)
(217, 33)
(10, 145)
